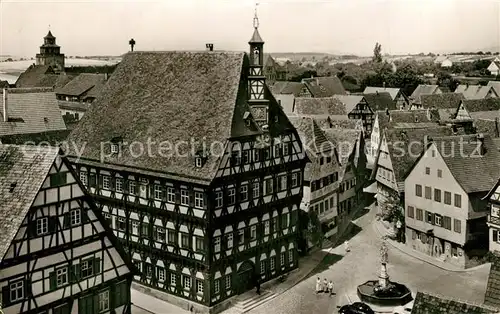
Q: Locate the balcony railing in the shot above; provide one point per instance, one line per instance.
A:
(494, 220)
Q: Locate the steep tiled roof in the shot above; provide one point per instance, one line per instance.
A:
(495, 85)
(41, 76)
(37, 107)
(441, 101)
(335, 122)
(426, 303)
(4, 84)
(410, 116)
(345, 140)
(350, 101)
(392, 91)
(282, 87)
(174, 97)
(24, 168)
(423, 89)
(81, 84)
(473, 170)
(316, 142)
(492, 295)
(402, 154)
(486, 104)
(473, 91)
(380, 101)
(326, 105)
(324, 86)
(53, 137)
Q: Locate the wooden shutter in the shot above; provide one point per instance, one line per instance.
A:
(95, 307)
(97, 265)
(84, 213)
(52, 224)
(433, 218)
(92, 180)
(32, 227)
(495, 235)
(75, 273)
(53, 280)
(5, 296)
(66, 221)
(101, 179)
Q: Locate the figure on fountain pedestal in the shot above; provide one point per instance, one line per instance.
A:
(384, 259)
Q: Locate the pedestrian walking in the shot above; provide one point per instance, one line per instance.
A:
(330, 287)
(257, 285)
(325, 285)
(318, 286)
(346, 246)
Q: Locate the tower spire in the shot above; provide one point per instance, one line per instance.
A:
(256, 18)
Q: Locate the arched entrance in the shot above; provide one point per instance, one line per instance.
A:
(246, 276)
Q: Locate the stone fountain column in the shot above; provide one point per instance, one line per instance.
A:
(383, 278)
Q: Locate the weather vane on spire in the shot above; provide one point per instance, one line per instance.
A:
(256, 19)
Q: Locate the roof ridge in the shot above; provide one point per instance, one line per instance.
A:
(28, 90)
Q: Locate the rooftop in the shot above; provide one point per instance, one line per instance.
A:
(426, 303)
(324, 86)
(423, 89)
(392, 91)
(442, 101)
(379, 101)
(81, 84)
(315, 106)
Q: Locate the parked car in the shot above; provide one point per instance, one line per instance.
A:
(356, 308)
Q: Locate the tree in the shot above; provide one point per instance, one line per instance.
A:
(377, 53)
(446, 80)
(315, 232)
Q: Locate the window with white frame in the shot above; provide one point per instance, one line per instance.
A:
(217, 244)
(158, 193)
(131, 187)
(294, 179)
(262, 267)
(160, 273)
(62, 276)
(243, 193)
(266, 227)
(171, 195)
(135, 227)
(83, 177)
(228, 282)
(282, 258)
(229, 240)
(283, 183)
(119, 185)
(253, 232)
(105, 182)
(75, 216)
(256, 190)
(16, 291)
(231, 196)
(198, 199)
(160, 234)
(86, 268)
(272, 263)
(121, 224)
(290, 256)
(103, 300)
(114, 148)
(173, 279)
(218, 199)
(241, 236)
(285, 149)
(42, 225)
(216, 286)
(187, 282)
(200, 285)
(184, 197)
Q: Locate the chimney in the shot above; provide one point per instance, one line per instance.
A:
(480, 138)
(5, 98)
(210, 47)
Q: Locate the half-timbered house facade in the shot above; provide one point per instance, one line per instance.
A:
(58, 256)
(207, 218)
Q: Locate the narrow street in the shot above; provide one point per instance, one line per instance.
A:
(362, 264)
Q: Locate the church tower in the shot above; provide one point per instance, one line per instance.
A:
(256, 78)
(50, 53)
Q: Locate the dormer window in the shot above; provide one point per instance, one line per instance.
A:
(198, 162)
(114, 148)
(247, 118)
(200, 157)
(115, 145)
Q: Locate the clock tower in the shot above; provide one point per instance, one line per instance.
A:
(256, 78)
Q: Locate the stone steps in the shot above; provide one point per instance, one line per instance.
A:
(253, 302)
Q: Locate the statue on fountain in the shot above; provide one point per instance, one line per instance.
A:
(383, 278)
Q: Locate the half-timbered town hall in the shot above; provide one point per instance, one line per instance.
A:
(198, 171)
(58, 256)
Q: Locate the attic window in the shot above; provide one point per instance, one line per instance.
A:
(416, 120)
(115, 144)
(200, 158)
(114, 148)
(198, 162)
(246, 118)
(12, 187)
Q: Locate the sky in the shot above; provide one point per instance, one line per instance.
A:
(104, 27)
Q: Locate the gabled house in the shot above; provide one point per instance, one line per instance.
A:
(389, 119)
(495, 85)
(398, 150)
(445, 209)
(83, 88)
(443, 106)
(321, 175)
(324, 86)
(272, 70)
(476, 91)
(29, 110)
(494, 67)
(422, 89)
(397, 95)
(380, 101)
(42, 76)
(205, 220)
(427, 303)
(472, 108)
(358, 109)
(286, 92)
(58, 254)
